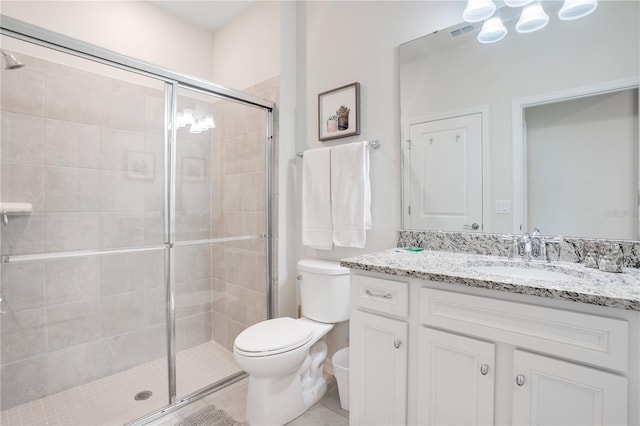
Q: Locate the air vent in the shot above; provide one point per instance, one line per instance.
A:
(462, 30)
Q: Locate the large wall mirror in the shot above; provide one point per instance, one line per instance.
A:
(538, 130)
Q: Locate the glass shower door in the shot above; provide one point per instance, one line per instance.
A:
(220, 226)
(83, 275)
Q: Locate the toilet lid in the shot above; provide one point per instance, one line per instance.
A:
(276, 334)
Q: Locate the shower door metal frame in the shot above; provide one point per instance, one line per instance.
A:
(173, 80)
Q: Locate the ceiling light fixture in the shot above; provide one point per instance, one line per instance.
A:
(478, 10)
(533, 18)
(187, 117)
(493, 30)
(574, 9)
(517, 3)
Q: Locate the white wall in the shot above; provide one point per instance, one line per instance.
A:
(358, 41)
(131, 28)
(350, 41)
(247, 50)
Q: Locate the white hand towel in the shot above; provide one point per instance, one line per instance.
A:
(350, 194)
(317, 230)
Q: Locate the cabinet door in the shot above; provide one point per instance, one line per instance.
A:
(378, 370)
(547, 391)
(456, 379)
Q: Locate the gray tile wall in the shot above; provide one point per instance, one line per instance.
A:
(87, 151)
(69, 140)
(238, 208)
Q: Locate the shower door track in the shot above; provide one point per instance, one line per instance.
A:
(29, 33)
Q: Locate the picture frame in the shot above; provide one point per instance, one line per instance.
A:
(140, 165)
(193, 169)
(339, 112)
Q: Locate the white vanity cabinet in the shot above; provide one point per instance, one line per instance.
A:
(378, 333)
(549, 391)
(456, 379)
(481, 357)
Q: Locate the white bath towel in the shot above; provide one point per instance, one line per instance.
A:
(317, 229)
(350, 194)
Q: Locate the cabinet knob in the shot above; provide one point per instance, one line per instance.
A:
(397, 343)
(519, 380)
(484, 369)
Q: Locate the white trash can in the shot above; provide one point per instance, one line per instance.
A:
(340, 362)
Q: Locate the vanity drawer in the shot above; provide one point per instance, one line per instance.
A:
(386, 296)
(582, 337)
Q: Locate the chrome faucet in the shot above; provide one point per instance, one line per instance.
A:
(524, 246)
(521, 246)
(530, 247)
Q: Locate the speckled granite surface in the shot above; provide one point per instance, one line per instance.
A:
(582, 284)
(570, 249)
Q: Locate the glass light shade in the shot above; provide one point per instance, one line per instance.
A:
(180, 120)
(533, 18)
(188, 116)
(493, 30)
(574, 9)
(208, 122)
(478, 10)
(195, 128)
(517, 3)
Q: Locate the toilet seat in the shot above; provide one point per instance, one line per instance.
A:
(273, 337)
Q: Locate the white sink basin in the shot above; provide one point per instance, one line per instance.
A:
(525, 273)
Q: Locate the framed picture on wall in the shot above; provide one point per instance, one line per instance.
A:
(140, 165)
(339, 112)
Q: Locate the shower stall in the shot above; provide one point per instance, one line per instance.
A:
(135, 236)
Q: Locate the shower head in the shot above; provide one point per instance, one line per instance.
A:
(11, 61)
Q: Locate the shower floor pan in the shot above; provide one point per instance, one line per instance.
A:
(110, 400)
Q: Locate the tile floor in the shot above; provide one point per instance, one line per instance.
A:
(232, 399)
(109, 401)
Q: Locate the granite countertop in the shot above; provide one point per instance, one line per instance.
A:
(586, 285)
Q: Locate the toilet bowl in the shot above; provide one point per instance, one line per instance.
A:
(284, 356)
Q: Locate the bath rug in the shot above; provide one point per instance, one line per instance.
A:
(210, 416)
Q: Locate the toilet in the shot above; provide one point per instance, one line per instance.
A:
(284, 356)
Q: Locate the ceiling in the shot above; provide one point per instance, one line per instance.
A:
(210, 15)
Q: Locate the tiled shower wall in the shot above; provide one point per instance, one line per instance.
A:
(87, 151)
(239, 267)
(71, 140)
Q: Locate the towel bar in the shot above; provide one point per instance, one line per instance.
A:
(372, 145)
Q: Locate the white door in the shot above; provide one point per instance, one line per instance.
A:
(378, 370)
(547, 391)
(456, 379)
(445, 174)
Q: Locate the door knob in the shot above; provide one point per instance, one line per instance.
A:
(474, 226)
(519, 380)
(484, 369)
(397, 343)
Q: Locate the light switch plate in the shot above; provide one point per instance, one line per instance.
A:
(503, 206)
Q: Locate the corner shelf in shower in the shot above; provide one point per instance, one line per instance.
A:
(14, 209)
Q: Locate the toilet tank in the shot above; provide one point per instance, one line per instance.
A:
(324, 290)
